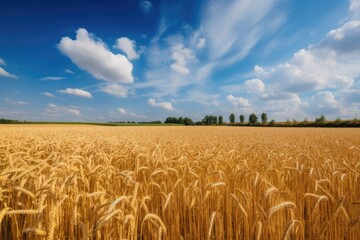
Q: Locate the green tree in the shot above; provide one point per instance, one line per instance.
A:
(188, 121)
(221, 120)
(181, 120)
(320, 120)
(209, 120)
(242, 119)
(264, 118)
(232, 118)
(253, 119)
(272, 122)
(171, 120)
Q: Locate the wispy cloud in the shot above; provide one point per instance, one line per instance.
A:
(4, 73)
(53, 110)
(146, 6)
(52, 78)
(76, 92)
(68, 71)
(2, 61)
(116, 90)
(48, 94)
(233, 28)
(13, 102)
(124, 112)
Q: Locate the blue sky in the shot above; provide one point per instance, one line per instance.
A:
(144, 60)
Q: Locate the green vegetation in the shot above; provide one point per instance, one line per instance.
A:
(263, 118)
(221, 120)
(242, 119)
(232, 118)
(183, 121)
(214, 120)
(253, 119)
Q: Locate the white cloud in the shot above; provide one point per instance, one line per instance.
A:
(15, 102)
(202, 97)
(181, 56)
(238, 101)
(68, 71)
(2, 61)
(324, 102)
(55, 110)
(355, 8)
(233, 28)
(48, 94)
(115, 90)
(6, 74)
(308, 70)
(52, 78)
(164, 105)
(146, 6)
(92, 55)
(122, 111)
(255, 86)
(344, 40)
(76, 92)
(128, 46)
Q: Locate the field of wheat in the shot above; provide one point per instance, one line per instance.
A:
(94, 182)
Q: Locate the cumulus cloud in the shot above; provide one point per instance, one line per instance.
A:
(92, 55)
(308, 70)
(146, 6)
(6, 74)
(332, 63)
(76, 92)
(52, 78)
(55, 110)
(238, 101)
(181, 56)
(165, 105)
(255, 86)
(116, 90)
(344, 40)
(128, 46)
(13, 102)
(48, 94)
(324, 102)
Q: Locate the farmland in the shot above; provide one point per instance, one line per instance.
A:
(176, 182)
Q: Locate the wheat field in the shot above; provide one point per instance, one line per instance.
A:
(95, 182)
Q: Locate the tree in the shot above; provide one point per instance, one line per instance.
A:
(242, 119)
(253, 119)
(188, 121)
(210, 120)
(263, 118)
(232, 118)
(171, 120)
(221, 120)
(181, 120)
(272, 122)
(320, 120)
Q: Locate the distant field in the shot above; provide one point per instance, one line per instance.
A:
(176, 182)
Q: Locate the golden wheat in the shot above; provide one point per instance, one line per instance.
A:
(93, 182)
